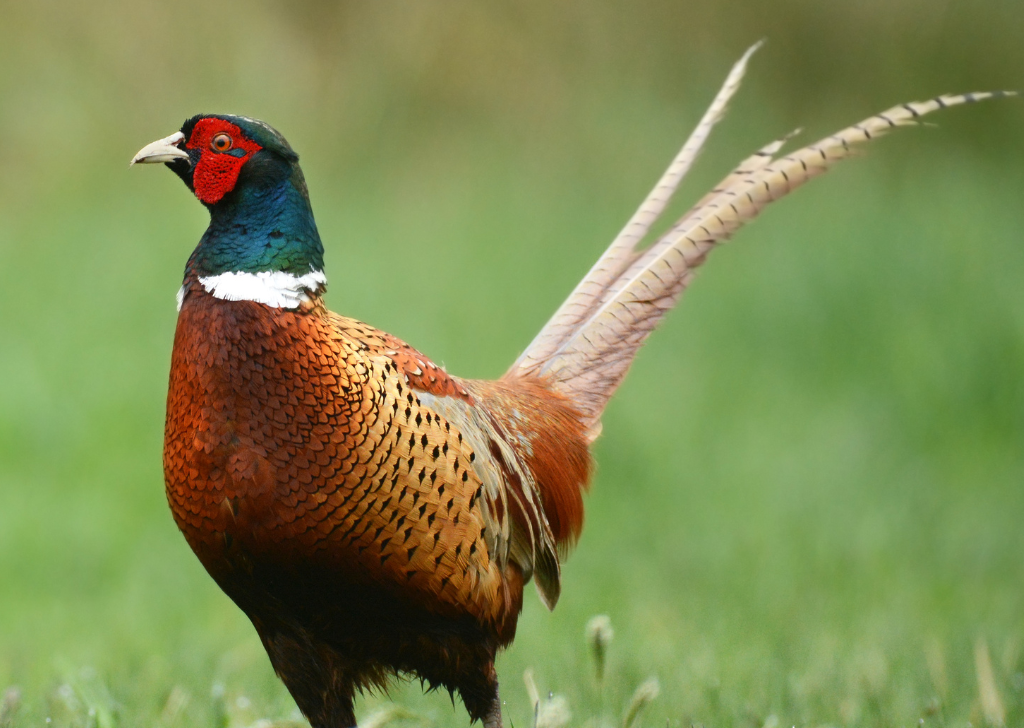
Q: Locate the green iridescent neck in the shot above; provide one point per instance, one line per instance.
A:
(265, 224)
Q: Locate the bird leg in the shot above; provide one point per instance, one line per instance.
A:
(493, 717)
(314, 674)
(480, 694)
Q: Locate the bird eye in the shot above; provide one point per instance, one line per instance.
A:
(221, 142)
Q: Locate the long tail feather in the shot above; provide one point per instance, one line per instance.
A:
(587, 348)
(643, 258)
(622, 252)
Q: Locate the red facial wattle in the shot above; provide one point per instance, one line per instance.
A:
(216, 171)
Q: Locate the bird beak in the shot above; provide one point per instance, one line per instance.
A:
(162, 150)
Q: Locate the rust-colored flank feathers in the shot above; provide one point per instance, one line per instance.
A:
(370, 513)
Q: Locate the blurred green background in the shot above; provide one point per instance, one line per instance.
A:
(809, 498)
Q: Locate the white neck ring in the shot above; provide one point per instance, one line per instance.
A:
(277, 289)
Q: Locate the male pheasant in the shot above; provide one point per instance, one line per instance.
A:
(369, 512)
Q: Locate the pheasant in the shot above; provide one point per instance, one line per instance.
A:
(370, 513)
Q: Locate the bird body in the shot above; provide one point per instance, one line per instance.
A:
(320, 471)
(354, 499)
(369, 512)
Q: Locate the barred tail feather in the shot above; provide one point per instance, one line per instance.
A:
(644, 258)
(586, 349)
(623, 251)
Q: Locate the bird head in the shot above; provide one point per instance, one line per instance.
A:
(215, 154)
(248, 176)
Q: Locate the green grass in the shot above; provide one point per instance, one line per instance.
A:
(808, 498)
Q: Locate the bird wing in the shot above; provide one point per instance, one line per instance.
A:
(439, 499)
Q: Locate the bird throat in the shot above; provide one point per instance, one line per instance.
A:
(262, 245)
